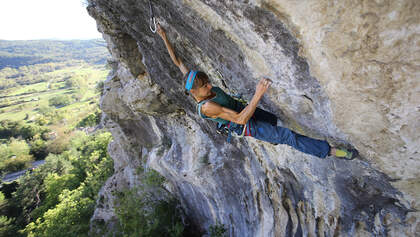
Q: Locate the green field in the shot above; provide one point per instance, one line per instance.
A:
(24, 102)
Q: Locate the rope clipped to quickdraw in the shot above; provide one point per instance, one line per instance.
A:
(152, 21)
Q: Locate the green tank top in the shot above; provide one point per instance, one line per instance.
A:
(222, 99)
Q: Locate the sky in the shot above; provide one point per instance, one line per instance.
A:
(46, 19)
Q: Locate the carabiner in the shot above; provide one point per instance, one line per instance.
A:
(152, 18)
(152, 21)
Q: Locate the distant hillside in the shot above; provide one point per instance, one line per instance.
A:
(15, 54)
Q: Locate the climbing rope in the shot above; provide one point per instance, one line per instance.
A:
(152, 21)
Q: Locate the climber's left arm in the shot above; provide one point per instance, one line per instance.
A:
(171, 51)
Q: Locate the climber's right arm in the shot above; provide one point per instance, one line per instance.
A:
(176, 60)
(214, 110)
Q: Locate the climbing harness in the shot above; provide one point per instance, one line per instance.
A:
(152, 21)
(230, 129)
(233, 127)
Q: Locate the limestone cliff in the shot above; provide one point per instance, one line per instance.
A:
(345, 71)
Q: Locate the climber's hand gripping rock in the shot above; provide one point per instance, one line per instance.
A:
(262, 86)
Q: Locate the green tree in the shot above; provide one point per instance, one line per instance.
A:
(29, 131)
(15, 164)
(59, 144)
(59, 100)
(31, 190)
(18, 147)
(91, 120)
(5, 152)
(39, 149)
(3, 204)
(93, 150)
(56, 117)
(45, 110)
(14, 156)
(69, 218)
(42, 120)
(77, 82)
(7, 228)
(10, 128)
(54, 185)
(99, 88)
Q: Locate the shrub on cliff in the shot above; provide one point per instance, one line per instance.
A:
(148, 210)
(217, 230)
(140, 214)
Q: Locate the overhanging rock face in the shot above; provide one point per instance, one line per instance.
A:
(345, 72)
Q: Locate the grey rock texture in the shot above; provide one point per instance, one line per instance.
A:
(345, 71)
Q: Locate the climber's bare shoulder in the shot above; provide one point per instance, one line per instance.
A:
(214, 110)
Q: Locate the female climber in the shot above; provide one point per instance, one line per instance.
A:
(214, 104)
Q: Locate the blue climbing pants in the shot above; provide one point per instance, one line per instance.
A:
(265, 131)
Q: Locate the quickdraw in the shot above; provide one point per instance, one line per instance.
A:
(152, 21)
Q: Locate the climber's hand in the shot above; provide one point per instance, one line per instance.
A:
(161, 31)
(262, 86)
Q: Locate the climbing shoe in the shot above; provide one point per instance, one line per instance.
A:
(347, 154)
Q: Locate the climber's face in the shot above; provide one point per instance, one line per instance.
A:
(203, 91)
